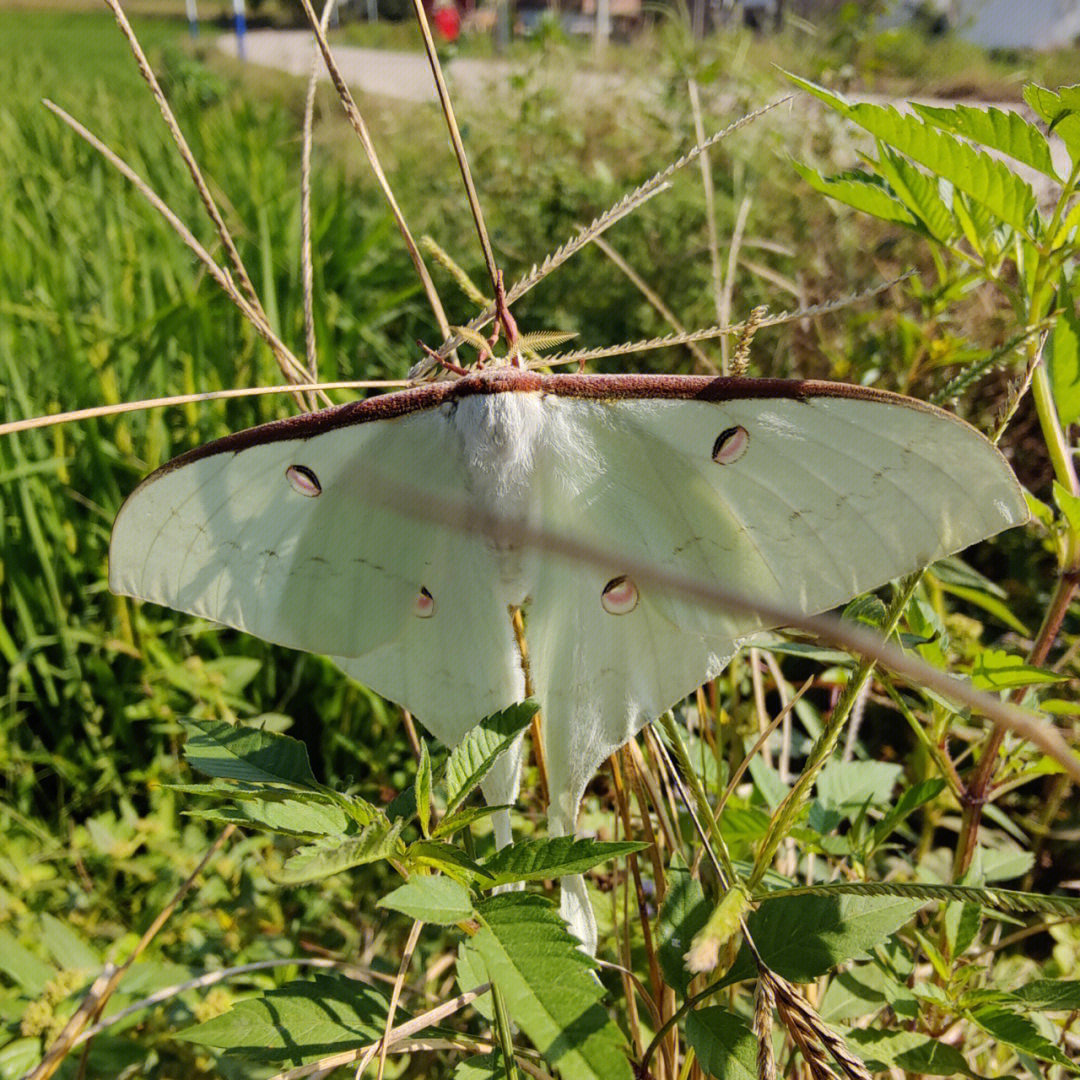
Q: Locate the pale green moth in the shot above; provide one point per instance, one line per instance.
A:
(803, 494)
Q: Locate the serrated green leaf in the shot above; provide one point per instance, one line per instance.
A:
(472, 759)
(471, 973)
(962, 924)
(847, 786)
(549, 987)
(1019, 1032)
(919, 193)
(537, 860)
(1050, 995)
(333, 854)
(1006, 131)
(724, 1043)
(280, 815)
(988, 181)
(995, 669)
(422, 788)
(908, 1051)
(298, 1023)
(1063, 355)
(447, 859)
(439, 900)
(682, 915)
(805, 936)
(1060, 110)
(453, 823)
(861, 191)
(19, 1056)
(234, 752)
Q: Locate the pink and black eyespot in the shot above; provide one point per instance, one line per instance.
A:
(424, 604)
(730, 445)
(303, 481)
(619, 596)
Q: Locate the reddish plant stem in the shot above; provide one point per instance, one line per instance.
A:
(977, 793)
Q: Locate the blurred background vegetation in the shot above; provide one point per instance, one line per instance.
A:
(99, 303)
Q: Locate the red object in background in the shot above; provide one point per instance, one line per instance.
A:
(447, 21)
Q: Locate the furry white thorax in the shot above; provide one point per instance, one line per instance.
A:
(514, 442)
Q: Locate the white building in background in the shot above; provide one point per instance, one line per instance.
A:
(1009, 24)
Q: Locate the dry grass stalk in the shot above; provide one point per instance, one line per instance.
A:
(97, 411)
(355, 118)
(815, 1040)
(290, 366)
(703, 359)
(710, 203)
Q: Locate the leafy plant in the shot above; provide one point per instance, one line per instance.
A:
(755, 831)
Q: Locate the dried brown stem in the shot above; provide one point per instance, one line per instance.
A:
(353, 115)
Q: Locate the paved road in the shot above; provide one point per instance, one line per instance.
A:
(402, 75)
(406, 76)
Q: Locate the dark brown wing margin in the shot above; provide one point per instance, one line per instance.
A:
(513, 380)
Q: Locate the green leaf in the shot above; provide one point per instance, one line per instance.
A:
(549, 986)
(472, 759)
(919, 193)
(439, 900)
(1069, 505)
(1063, 354)
(847, 786)
(235, 752)
(915, 796)
(985, 179)
(471, 973)
(447, 859)
(724, 1043)
(860, 190)
(298, 1023)
(1050, 995)
(1060, 109)
(422, 787)
(23, 966)
(962, 924)
(909, 1051)
(804, 936)
(482, 1067)
(333, 854)
(69, 949)
(537, 860)
(1019, 1032)
(453, 823)
(995, 669)
(280, 816)
(683, 914)
(1006, 131)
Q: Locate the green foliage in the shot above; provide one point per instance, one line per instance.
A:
(98, 302)
(298, 1023)
(549, 987)
(724, 1043)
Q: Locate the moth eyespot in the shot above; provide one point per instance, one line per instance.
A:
(303, 481)
(424, 605)
(730, 445)
(620, 596)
